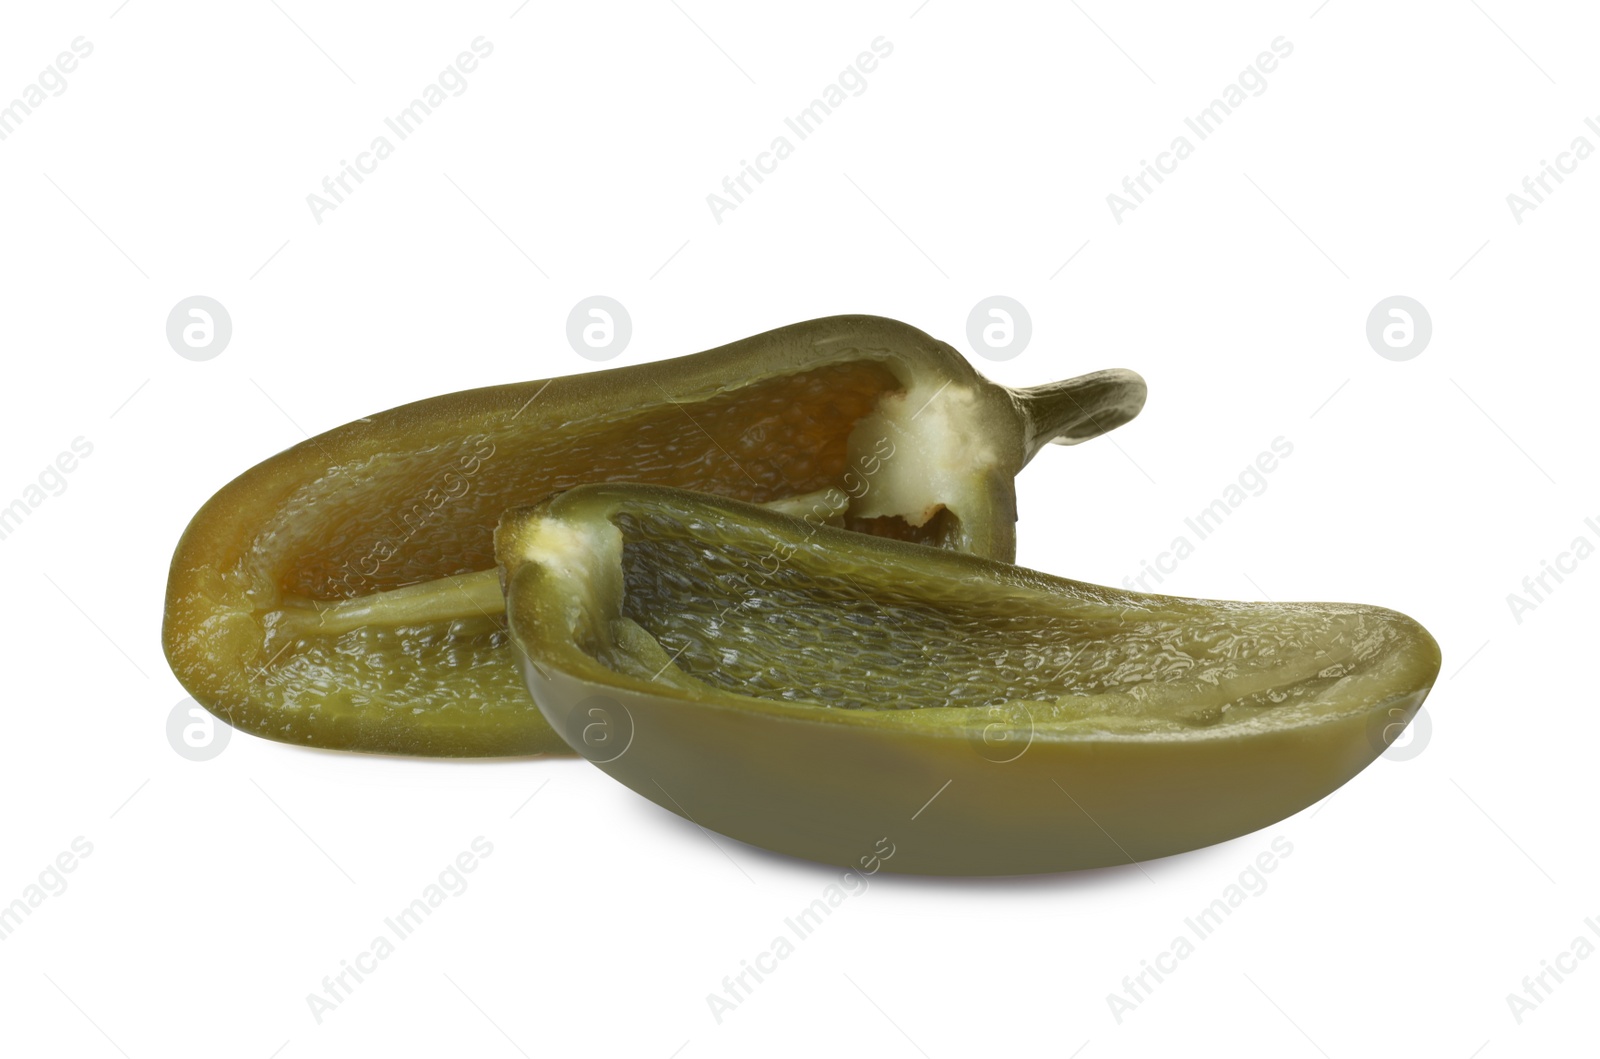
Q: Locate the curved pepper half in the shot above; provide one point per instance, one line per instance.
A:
(816, 692)
(342, 593)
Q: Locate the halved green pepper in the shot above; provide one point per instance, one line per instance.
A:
(343, 594)
(814, 691)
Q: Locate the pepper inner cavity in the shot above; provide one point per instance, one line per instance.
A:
(382, 573)
(398, 518)
(426, 566)
(849, 633)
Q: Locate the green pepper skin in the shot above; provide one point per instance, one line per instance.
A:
(958, 791)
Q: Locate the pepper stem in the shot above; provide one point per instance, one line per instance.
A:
(1075, 410)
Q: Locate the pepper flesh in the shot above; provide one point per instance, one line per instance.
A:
(342, 593)
(815, 692)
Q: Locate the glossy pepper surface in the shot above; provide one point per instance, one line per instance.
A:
(813, 691)
(343, 594)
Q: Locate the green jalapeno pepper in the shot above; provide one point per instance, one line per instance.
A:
(814, 691)
(343, 594)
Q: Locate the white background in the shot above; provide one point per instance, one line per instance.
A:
(1377, 162)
